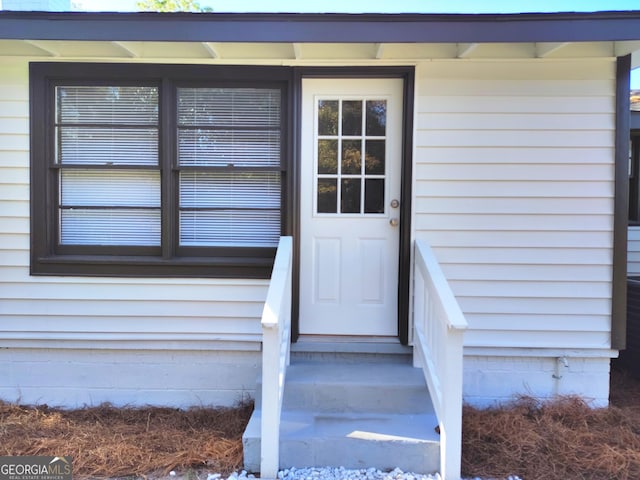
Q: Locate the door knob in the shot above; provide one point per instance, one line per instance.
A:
(393, 222)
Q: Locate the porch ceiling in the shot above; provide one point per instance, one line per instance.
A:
(212, 52)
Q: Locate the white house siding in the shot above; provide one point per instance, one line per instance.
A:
(633, 252)
(71, 340)
(514, 187)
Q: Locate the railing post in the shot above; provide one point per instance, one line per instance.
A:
(276, 329)
(418, 313)
(438, 349)
(270, 421)
(451, 453)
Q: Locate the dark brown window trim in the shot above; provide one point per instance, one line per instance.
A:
(133, 266)
(634, 179)
(48, 258)
(621, 206)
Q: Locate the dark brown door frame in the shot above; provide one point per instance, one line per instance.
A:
(407, 74)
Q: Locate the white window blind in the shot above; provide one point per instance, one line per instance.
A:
(223, 148)
(108, 146)
(111, 131)
(229, 209)
(229, 148)
(229, 107)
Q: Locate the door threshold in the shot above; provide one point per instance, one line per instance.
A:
(302, 338)
(350, 344)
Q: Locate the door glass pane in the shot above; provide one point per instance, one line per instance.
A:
(327, 156)
(374, 159)
(374, 195)
(351, 156)
(327, 195)
(350, 195)
(376, 122)
(328, 117)
(352, 117)
(358, 137)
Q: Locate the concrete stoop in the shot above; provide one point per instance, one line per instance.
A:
(355, 415)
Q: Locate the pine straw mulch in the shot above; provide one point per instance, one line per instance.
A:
(106, 441)
(559, 440)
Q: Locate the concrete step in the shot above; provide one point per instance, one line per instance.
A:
(384, 441)
(353, 388)
(355, 415)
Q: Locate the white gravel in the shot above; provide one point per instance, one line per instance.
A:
(341, 473)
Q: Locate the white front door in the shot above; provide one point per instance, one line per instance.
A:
(351, 154)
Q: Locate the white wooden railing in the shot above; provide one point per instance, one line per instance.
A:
(276, 334)
(439, 325)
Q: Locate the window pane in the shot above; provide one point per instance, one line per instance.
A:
(139, 227)
(352, 117)
(238, 228)
(107, 146)
(241, 209)
(376, 122)
(110, 188)
(351, 156)
(327, 156)
(228, 147)
(221, 127)
(230, 190)
(328, 117)
(107, 105)
(229, 107)
(375, 157)
(108, 125)
(327, 195)
(350, 195)
(374, 195)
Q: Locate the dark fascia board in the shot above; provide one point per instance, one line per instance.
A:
(321, 28)
(635, 121)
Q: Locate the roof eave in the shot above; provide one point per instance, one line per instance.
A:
(322, 28)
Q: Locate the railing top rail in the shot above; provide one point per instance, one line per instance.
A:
(426, 260)
(278, 283)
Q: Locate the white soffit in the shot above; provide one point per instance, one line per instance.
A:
(576, 50)
(256, 50)
(208, 51)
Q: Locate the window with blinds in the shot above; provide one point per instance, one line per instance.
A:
(229, 162)
(228, 158)
(157, 170)
(108, 165)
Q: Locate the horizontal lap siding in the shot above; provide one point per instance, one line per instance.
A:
(98, 308)
(514, 187)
